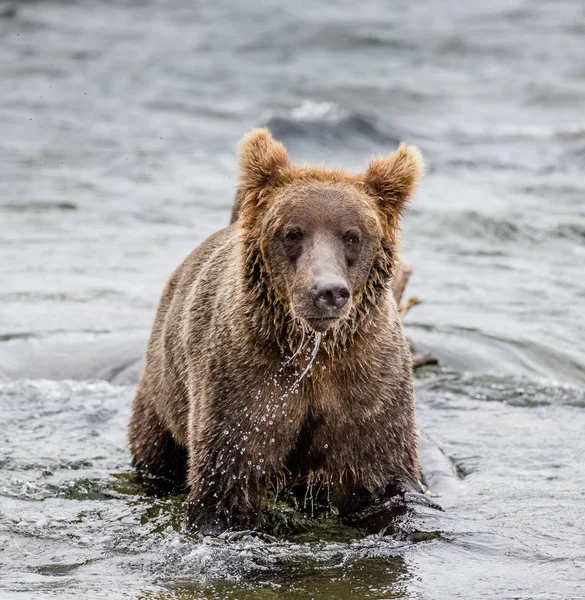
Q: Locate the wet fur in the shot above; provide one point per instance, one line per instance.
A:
(219, 389)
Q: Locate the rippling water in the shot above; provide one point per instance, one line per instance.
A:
(118, 126)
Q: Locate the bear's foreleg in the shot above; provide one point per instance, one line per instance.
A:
(237, 446)
(374, 511)
(359, 507)
(223, 497)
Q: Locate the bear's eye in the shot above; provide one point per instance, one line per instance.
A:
(293, 235)
(351, 238)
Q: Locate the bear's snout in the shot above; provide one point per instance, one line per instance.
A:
(330, 295)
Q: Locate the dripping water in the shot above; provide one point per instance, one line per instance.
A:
(311, 359)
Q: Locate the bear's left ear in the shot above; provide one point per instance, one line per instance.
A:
(393, 179)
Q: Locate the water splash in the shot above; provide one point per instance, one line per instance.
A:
(298, 350)
(256, 426)
(312, 359)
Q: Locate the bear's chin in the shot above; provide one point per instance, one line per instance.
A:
(321, 325)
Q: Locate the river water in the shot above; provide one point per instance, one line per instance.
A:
(118, 130)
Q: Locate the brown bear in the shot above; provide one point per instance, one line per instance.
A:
(277, 354)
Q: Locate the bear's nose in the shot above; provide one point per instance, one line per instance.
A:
(330, 294)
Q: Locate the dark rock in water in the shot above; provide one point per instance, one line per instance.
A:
(313, 132)
(343, 127)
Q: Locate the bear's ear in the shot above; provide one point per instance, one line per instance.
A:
(262, 160)
(393, 179)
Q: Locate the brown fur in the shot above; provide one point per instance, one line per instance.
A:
(224, 383)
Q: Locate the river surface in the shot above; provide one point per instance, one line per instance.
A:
(119, 123)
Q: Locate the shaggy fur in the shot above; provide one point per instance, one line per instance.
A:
(241, 386)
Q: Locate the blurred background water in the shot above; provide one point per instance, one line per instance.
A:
(119, 123)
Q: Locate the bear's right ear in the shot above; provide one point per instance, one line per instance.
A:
(262, 161)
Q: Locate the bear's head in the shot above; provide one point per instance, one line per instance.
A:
(320, 244)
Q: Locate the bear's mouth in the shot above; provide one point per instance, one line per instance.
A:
(320, 324)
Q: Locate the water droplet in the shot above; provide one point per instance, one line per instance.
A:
(326, 446)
